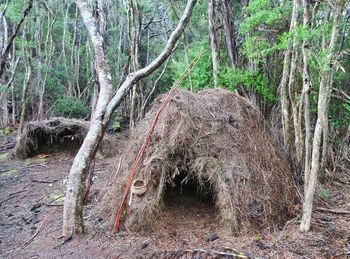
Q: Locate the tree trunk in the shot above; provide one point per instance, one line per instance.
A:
(73, 61)
(100, 15)
(229, 30)
(4, 112)
(49, 49)
(306, 92)
(73, 203)
(134, 38)
(324, 93)
(292, 90)
(26, 84)
(325, 137)
(213, 41)
(63, 52)
(11, 85)
(187, 60)
(285, 101)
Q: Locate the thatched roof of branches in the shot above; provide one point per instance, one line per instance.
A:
(215, 137)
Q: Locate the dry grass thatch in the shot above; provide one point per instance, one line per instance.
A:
(218, 139)
(55, 133)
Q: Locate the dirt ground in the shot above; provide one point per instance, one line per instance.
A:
(31, 204)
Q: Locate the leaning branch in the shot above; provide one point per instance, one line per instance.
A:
(134, 77)
(13, 36)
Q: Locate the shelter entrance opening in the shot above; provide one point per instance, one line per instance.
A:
(186, 191)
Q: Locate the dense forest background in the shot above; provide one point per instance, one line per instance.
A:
(290, 57)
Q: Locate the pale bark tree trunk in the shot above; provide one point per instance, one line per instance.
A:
(4, 112)
(230, 32)
(74, 49)
(285, 101)
(324, 93)
(134, 38)
(306, 92)
(213, 41)
(26, 84)
(63, 51)
(101, 17)
(11, 84)
(325, 137)
(38, 64)
(73, 203)
(293, 90)
(49, 49)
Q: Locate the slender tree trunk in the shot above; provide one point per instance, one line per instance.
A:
(325, 137)
(293, 90)
(73, 55)
(11, 85)
(73, 203)
(26, 84)
(49, 49)
(4, 112)
(100, 16)
(285, 101)
(213, 41)
(230, 32)
(63, 52)
(134, 37)
(324, 93)
(187, 60)
(306, 92)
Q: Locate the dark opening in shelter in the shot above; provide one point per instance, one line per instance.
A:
(186, 191)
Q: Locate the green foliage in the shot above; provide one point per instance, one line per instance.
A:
(68, 106)
(325, 193)
(261, 12)
(340, 114)
(201, 74)
(256, 48)
(15, 9)
(117, 124)
(264, 17)
(257, 237)
(5, 132)
(255, 81)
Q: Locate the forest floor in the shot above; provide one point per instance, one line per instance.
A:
(31, 204)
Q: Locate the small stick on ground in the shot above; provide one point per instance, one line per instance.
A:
(37, 232)
(336, 211)
(23, 190)
(43, 181)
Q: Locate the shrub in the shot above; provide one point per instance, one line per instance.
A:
(68, 106)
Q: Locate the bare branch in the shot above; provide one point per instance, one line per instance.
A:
(13, 36)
